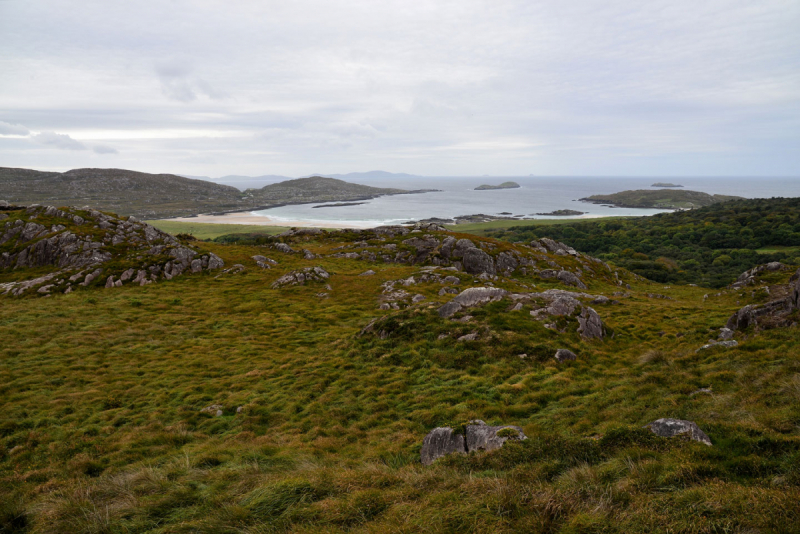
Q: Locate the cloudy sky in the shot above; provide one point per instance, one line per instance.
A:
(568, 87)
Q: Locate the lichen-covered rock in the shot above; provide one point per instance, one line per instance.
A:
(570, 279)
(301, 276)
(477, 436)
(283, 247)
(590, 324)
(440, 442)
(564, 355)
(468, 298)
(668, 428)
(482, 437)
(476, 261)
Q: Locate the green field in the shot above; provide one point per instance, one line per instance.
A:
(211, 230)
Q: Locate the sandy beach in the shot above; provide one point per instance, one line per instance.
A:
(249, 218)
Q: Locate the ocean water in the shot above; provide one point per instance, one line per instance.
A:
(536, 195)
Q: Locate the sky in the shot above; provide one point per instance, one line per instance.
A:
(435, 88)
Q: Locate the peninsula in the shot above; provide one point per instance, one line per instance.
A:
(659, 198)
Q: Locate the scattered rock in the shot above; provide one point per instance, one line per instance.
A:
(215, 409)
(724, 344)
(417, 298)
(570, 279)
(301, 276)
(367, 273)
(469, 337)
(283, 247)
(668, 428)
(563, 355)
(725, 334)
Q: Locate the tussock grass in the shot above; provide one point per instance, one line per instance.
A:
(101, 430)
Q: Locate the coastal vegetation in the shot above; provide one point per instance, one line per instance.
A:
(660, 198)
(709, 246)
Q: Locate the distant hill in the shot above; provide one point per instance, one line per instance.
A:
(318, 189)
(659, 198)
(157, 196)
(122, 191)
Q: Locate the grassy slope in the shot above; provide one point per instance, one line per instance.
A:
(482, 229)
(100, 393)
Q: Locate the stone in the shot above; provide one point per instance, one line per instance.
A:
(461, 246)
(283, 247)
(724, 344)
(440, 442)
(742, 319)
(4, 204)
(563, 355)
(570, 279)
(590, 324)
(417, 298)
(471, 297)
(481, 436)
(214, 262)
(301, 276)
(215, 409)
(452, 280)
(448, 291)
(476, 261)
(478, 436)
(469, 337)
(370, 272)
(197, 266)
(667, 428)
(725, 334)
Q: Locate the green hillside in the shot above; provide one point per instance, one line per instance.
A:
(231, 400)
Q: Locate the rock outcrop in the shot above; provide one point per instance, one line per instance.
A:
(668, 428)
(475, 436)
(73, 239)
(774, 313)
(749, 277)
(301, 276)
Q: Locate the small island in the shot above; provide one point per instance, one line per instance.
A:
(665, 184)
(504, 185)
(659, 199)
(562, 213)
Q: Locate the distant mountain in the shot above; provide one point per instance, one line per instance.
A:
(372, 175)
(158, 196)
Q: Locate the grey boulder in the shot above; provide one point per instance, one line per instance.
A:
(564, 355)
(478, 436)
(667, 428)
(473, 296)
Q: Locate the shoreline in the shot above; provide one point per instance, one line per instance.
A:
(249, 218)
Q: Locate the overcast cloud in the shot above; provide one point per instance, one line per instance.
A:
(461, 87)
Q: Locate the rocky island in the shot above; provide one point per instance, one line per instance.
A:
(665, 184)
(504, 185)
(660, 198)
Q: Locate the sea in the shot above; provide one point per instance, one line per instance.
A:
(536, 194)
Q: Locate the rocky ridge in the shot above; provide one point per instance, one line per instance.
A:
(88, 247)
